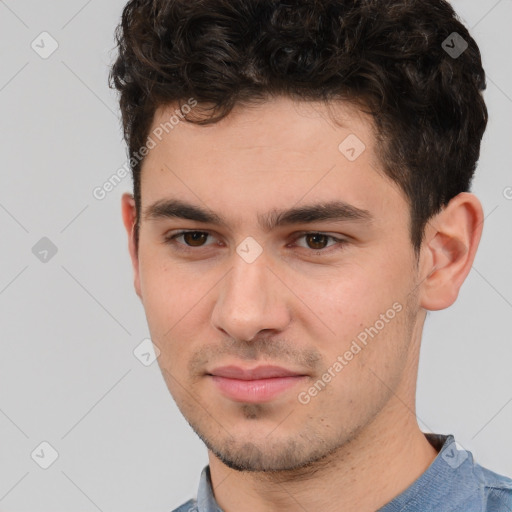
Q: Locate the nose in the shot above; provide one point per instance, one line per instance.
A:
(252, 299)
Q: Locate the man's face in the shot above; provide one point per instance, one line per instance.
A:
(304, 303)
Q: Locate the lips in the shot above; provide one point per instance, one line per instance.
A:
(261, 372)
(261, 384)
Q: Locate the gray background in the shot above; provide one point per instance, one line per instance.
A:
(70, 324)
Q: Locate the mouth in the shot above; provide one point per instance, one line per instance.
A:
(260, 384)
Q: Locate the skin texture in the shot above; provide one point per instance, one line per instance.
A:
(297, 305)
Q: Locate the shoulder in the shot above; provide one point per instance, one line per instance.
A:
(495, 489)
(189, 506)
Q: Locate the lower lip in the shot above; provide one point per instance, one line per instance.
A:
(260, 390)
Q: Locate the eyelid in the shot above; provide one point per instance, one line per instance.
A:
(340, 242)
(170, 238)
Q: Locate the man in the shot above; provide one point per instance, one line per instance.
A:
(301, 200)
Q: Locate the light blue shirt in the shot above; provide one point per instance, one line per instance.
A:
(454, 482)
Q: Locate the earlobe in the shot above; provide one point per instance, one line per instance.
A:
(452, 239)
(129, 214)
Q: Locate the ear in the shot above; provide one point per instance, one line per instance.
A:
(451, 241)
(129, 219)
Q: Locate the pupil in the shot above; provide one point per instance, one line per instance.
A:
(195, 236)
(317, 236)
(316, 239)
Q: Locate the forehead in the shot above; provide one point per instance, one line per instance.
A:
(266, 155)
(279, 124)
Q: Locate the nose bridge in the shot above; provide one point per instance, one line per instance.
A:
(250, 300)
(249, 280)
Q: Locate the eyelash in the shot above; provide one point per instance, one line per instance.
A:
(171, 240)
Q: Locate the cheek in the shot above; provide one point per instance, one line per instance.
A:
(345, 299)
(162, 281)
(165, 291)
(174, 300)
(356, 305)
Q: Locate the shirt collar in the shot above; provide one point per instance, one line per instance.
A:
(450, 473)
(205, 499)
(431, 487)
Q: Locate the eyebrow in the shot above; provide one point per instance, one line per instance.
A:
(328, 211)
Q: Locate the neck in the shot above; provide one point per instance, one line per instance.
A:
(374, 467)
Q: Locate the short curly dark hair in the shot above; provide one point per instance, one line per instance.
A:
(390, 58)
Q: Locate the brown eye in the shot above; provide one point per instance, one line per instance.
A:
(194, 238)
(322, 243)
(317, 240)
(190, 239)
